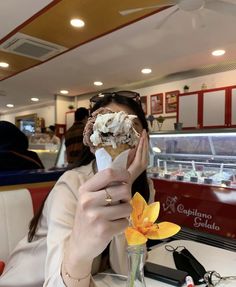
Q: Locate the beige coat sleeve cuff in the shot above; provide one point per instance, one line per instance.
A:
(118, 256)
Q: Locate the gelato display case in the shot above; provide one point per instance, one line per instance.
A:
(207, 157)
(194, 174)
(46, 150)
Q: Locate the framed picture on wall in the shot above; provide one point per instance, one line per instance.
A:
(144, 104)
(156, 104)
(171, 101)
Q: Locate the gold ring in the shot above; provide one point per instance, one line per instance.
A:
(108, 198)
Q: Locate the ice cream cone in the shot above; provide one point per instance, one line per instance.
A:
(113, 131)
(114, 152)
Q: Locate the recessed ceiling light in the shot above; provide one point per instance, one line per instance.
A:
(146, 71)
(64, 92)
(34, 99)
(10, 105)
(218, 52)
(4, 65)
(98, 83)
(78, 23)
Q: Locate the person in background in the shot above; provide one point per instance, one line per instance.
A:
(74, 136)
(52, 135)
(14, 153)
(76, 231)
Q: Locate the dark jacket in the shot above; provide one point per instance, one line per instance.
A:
(14, 153)
(74, 142)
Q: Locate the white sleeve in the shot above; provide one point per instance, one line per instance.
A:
(60, 213)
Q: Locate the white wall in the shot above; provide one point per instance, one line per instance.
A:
(211, 81)
(48, 113)
(56, 114)
(62, 104)
(83, 101)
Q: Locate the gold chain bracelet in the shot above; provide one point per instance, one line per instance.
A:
(69, 280)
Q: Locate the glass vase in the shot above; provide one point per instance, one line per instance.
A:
(136, 259)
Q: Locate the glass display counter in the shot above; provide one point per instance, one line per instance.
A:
(204, 157)
(52, 155)
(194, 174)
(47, 152)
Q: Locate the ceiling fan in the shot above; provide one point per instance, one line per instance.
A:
(190, 6)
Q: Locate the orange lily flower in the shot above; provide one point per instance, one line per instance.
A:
(143, 226)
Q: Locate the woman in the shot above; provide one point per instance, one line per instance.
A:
(52, 138)
(76, 224)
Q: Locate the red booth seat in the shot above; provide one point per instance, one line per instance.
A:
(18, 204)
(16, 210)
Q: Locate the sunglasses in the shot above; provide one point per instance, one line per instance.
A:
(128, 94)
(212, 278)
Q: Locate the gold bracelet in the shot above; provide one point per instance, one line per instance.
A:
(69, 280)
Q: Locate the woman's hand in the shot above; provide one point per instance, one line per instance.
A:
(138, 157)
(96, 222)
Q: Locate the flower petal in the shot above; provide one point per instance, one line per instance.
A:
(138, 203)
(151, 212)
(165, 230)
(134, 237)
(146, 230)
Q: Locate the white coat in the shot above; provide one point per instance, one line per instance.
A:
(38, 263)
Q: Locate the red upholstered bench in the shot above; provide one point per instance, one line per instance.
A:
(18, 203)
(16, 210)
(2, 265)
(38, 192)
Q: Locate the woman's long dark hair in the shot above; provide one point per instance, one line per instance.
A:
(140, 184)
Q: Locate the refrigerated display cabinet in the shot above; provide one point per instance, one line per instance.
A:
(194, 174)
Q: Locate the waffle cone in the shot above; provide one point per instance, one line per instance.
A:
(114, 152)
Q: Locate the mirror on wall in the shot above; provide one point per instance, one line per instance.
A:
(27, 123)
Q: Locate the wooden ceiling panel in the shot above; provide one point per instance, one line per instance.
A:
(100, 18)
(53, 25)
(16, 63)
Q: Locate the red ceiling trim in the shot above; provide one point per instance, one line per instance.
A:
(83, 43)
(36, 15)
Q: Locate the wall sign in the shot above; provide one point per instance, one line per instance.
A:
(157, 104)
(171, 101)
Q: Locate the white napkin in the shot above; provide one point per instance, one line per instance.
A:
(104, 160)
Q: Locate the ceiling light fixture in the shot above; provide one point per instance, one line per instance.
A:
(64, 92)
(10, 105)
(146, 71)
(78, 23)
(34, 99)
(4, 65)
(98, 83)
(218, 52)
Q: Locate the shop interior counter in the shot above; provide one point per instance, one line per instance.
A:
(194, 174)
(47, 153)
(200, 156)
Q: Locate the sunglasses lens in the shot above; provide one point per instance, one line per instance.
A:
(127, 94)
(98, 97)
